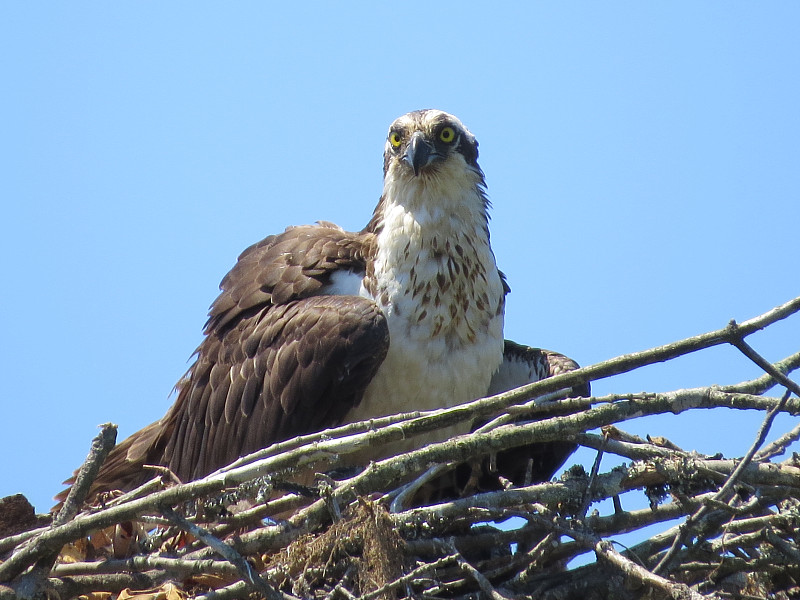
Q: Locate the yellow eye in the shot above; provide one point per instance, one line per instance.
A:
(447, 135)
(394, 139)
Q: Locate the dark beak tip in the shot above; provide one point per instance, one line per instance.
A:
(419, 153)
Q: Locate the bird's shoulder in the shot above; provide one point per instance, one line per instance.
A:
(291, 265)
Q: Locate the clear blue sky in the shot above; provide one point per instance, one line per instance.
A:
(643, 160)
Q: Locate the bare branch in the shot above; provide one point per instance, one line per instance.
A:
(736, 517)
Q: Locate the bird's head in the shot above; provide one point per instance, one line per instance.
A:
(430, 169)
(427, 142)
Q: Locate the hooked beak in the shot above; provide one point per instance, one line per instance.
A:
(419, 153)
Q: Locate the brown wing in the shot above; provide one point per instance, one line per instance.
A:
(536, 462)
(536, 364)
(283, 371)
(278, 359)
(294, 264)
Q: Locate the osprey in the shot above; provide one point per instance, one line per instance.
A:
(317, 326)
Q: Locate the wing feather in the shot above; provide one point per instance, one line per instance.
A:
(315, 370)
(292, 265)
(521, 365)
(277, 360)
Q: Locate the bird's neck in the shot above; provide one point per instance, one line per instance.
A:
(451, 199)
(433, 266)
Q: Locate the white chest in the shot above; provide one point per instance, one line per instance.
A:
(442, 296)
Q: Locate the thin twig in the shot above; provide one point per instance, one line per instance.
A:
(726, 491)
(533, 556)
(38, 550)
(135, 564)
(606, 551)
(246, 571)
(588, 497)
(101, 446)
(779, 446)
(410, 576)
(484, 584)
(738, 341)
